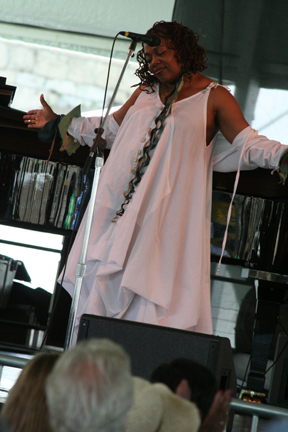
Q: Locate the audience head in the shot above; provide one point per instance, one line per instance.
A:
(188, 379)
(25, 409)
(90, 388)
(157, 409)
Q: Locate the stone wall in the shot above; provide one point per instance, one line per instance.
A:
(66, 78)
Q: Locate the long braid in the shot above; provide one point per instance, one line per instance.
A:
(155, 135)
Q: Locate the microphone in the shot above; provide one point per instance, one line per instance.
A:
(151, 40)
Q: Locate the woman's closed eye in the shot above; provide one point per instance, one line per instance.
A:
(149, 59)
(161, 52)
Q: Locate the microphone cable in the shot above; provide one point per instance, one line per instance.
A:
(84, 184)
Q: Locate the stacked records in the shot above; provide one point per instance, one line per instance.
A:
(46, 193)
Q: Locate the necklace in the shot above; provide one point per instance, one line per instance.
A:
(140, 162)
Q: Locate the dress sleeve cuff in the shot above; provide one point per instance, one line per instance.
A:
(83, 129)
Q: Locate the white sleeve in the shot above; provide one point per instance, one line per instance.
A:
(83, 129)
(259, 151)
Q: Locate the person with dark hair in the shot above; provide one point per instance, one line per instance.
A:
(148, 255)
(25, 409)
(189, 379)
(184, 42)
(195, 382)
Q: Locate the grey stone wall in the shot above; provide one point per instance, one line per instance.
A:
(66, 78)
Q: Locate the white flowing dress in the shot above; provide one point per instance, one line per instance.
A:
(153, 264)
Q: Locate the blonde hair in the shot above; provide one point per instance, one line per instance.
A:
(25, 409)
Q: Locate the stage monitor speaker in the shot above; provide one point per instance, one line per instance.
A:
(149, 346)
(278, 389)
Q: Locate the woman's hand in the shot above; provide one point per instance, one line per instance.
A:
(36, 119)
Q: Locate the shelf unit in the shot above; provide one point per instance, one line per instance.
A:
(16, 139)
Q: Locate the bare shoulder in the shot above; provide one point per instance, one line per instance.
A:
(120, 114)
(137, 92)
(227, 112)
(133, 97)
(221, 92)
(220, 98)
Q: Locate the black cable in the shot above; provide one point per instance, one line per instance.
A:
(281, 352)
(222, 43)
(245, 374)
(108, 75)
(84, 184)
(71, 241)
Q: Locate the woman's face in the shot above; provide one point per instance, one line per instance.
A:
(162, 62)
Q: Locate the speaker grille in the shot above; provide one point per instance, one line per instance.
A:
(149, 346)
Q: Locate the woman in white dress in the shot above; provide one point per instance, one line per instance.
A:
(148, 256)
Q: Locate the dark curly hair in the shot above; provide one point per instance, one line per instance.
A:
(201, 380)
(181, 39)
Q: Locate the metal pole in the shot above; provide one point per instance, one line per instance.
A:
(81, 266)
(260, 410)
(254, 425)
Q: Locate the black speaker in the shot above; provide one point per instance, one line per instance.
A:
(278, 389)
(149, 346)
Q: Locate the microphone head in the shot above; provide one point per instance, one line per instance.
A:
(155, 41)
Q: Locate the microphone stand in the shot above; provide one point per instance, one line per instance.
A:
(99, 162)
